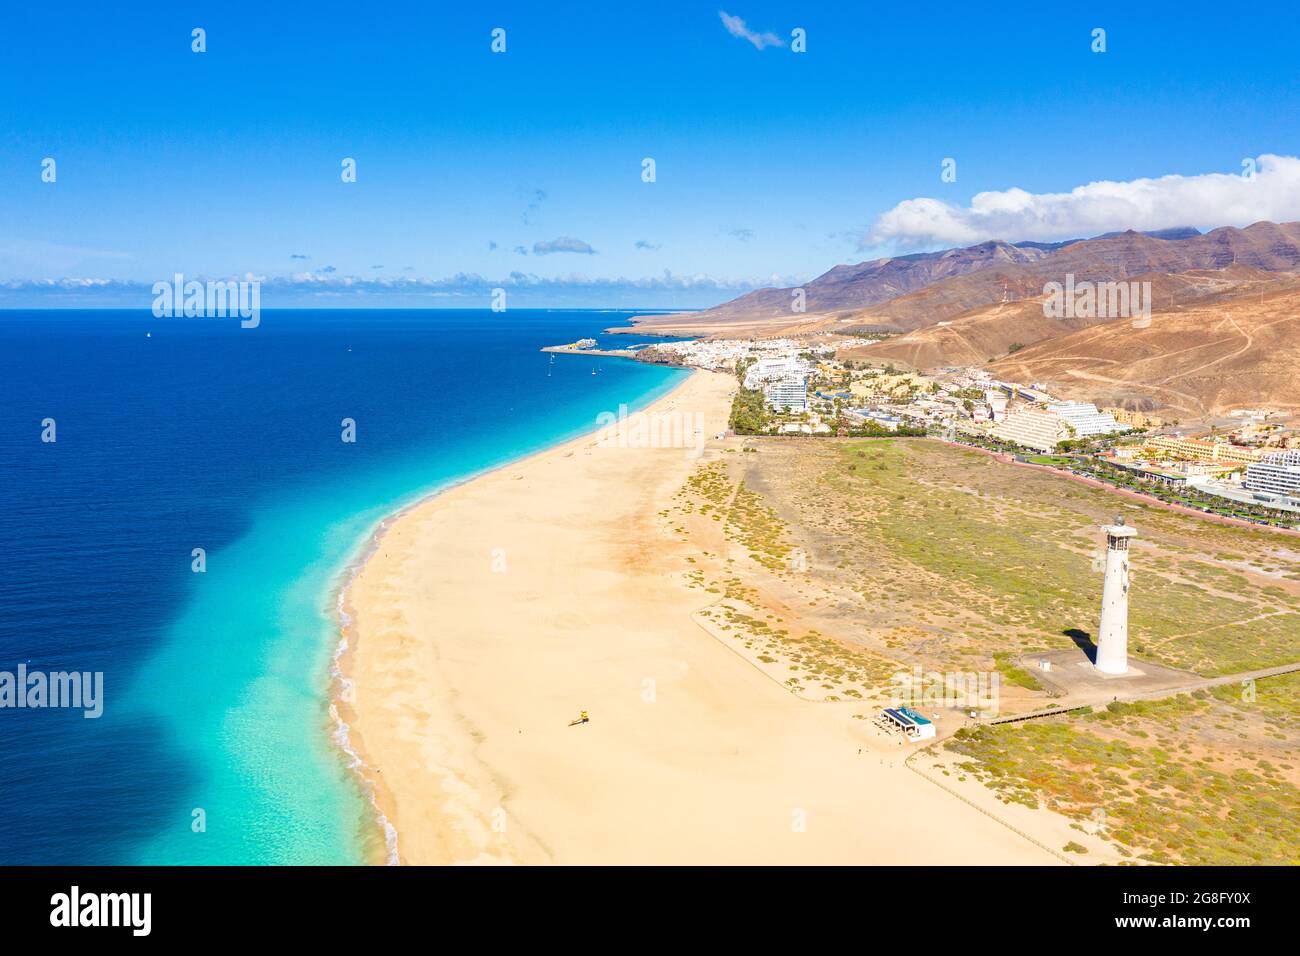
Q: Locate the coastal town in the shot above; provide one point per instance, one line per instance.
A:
(1245, 465)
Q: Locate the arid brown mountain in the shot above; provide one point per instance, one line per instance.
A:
(842, 290)
(1265, 246)
(989, 332)
(912, 292)
(868, 283)
(1200, 360)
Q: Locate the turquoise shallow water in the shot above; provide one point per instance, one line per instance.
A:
(216, 683)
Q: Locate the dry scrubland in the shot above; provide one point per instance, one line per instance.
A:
(1201, 778)
(837, 564)
(921, 553)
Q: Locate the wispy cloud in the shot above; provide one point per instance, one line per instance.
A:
(562, 244)
(646, 244)
(744, 235)
(468, 290)
(534, 205)
(298, 255)
(737, 28)
(1206, 201)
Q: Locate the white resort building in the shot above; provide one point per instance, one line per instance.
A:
(1032, 427)
(1085, 419)
(783, 381)
(789, 392)
(1278, 474)
(1042, 427)
(767, 370)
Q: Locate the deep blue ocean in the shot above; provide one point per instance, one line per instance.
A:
(184, 433)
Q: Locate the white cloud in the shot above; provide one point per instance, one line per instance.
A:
(562, 244)
(1205, 201)
(460, 284)
(737, 28)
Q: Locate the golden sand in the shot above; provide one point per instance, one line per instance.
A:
(491, 615)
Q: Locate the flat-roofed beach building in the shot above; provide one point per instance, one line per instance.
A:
(908, 722)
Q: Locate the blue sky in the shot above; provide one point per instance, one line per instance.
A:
(769, 163)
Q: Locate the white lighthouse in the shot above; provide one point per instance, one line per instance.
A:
(1112, 634)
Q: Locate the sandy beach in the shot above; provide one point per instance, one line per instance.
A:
(490, 616)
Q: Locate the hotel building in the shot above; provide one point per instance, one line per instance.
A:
(790, 392)
(783, 382)
(1199, 449)
(1084, 419)
(1133, 419)
(1043, 427)
(1278, 474)
(767, 370)
(1032, 427)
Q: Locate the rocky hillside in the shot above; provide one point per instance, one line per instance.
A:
(1191, 362)
(989, 332)
(911, 292)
